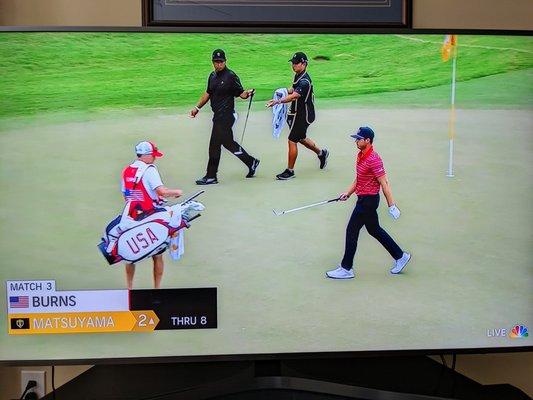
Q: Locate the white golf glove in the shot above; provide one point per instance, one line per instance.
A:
(344, 196)
(394, 211)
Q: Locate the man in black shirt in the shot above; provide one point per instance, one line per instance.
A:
(301, 114)
(223, 85)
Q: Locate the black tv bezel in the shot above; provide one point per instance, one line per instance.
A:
(265, 356)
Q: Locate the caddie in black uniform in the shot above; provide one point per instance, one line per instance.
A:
(301, 114)
(223, 85)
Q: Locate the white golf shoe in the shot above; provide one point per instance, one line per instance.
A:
(340, 273)
(400, 264)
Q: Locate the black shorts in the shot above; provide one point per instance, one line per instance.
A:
(298, 129)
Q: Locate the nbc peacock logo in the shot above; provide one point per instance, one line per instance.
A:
(519, 331)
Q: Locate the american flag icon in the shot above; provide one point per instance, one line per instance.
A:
(134, 195)
(19, 301)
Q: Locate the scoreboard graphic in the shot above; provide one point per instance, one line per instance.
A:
(37, 307)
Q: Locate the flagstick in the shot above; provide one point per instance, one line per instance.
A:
(451, 127)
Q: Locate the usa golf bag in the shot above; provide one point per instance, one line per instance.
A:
(132, 240)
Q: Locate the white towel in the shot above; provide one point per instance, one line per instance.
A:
(279, 112)
(177, 245)
(187, 210)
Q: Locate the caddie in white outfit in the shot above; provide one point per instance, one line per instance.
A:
(143, 188)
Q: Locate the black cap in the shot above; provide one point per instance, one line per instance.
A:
(364, 132)
(219, 55)
(298, 57)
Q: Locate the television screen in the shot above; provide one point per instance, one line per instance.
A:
(194, 194)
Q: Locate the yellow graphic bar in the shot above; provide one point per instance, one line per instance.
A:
(145, 321)
(82, 322)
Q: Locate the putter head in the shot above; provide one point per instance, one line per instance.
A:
(277, 213)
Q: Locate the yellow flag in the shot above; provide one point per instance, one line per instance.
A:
(450, 41)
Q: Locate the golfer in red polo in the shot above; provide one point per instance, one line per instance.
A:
(370, 178)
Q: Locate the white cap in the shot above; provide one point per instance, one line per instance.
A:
(147, 148)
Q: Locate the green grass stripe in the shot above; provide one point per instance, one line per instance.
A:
(48, 72)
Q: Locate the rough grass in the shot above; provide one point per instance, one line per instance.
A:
(49, 72)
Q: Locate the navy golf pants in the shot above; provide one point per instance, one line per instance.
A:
(365, 214)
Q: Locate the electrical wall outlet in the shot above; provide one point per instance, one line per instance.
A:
(37, 376)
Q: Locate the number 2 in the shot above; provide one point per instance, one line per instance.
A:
(142, 320)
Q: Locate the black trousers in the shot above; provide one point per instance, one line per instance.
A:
(365, 214)
(222, 135)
